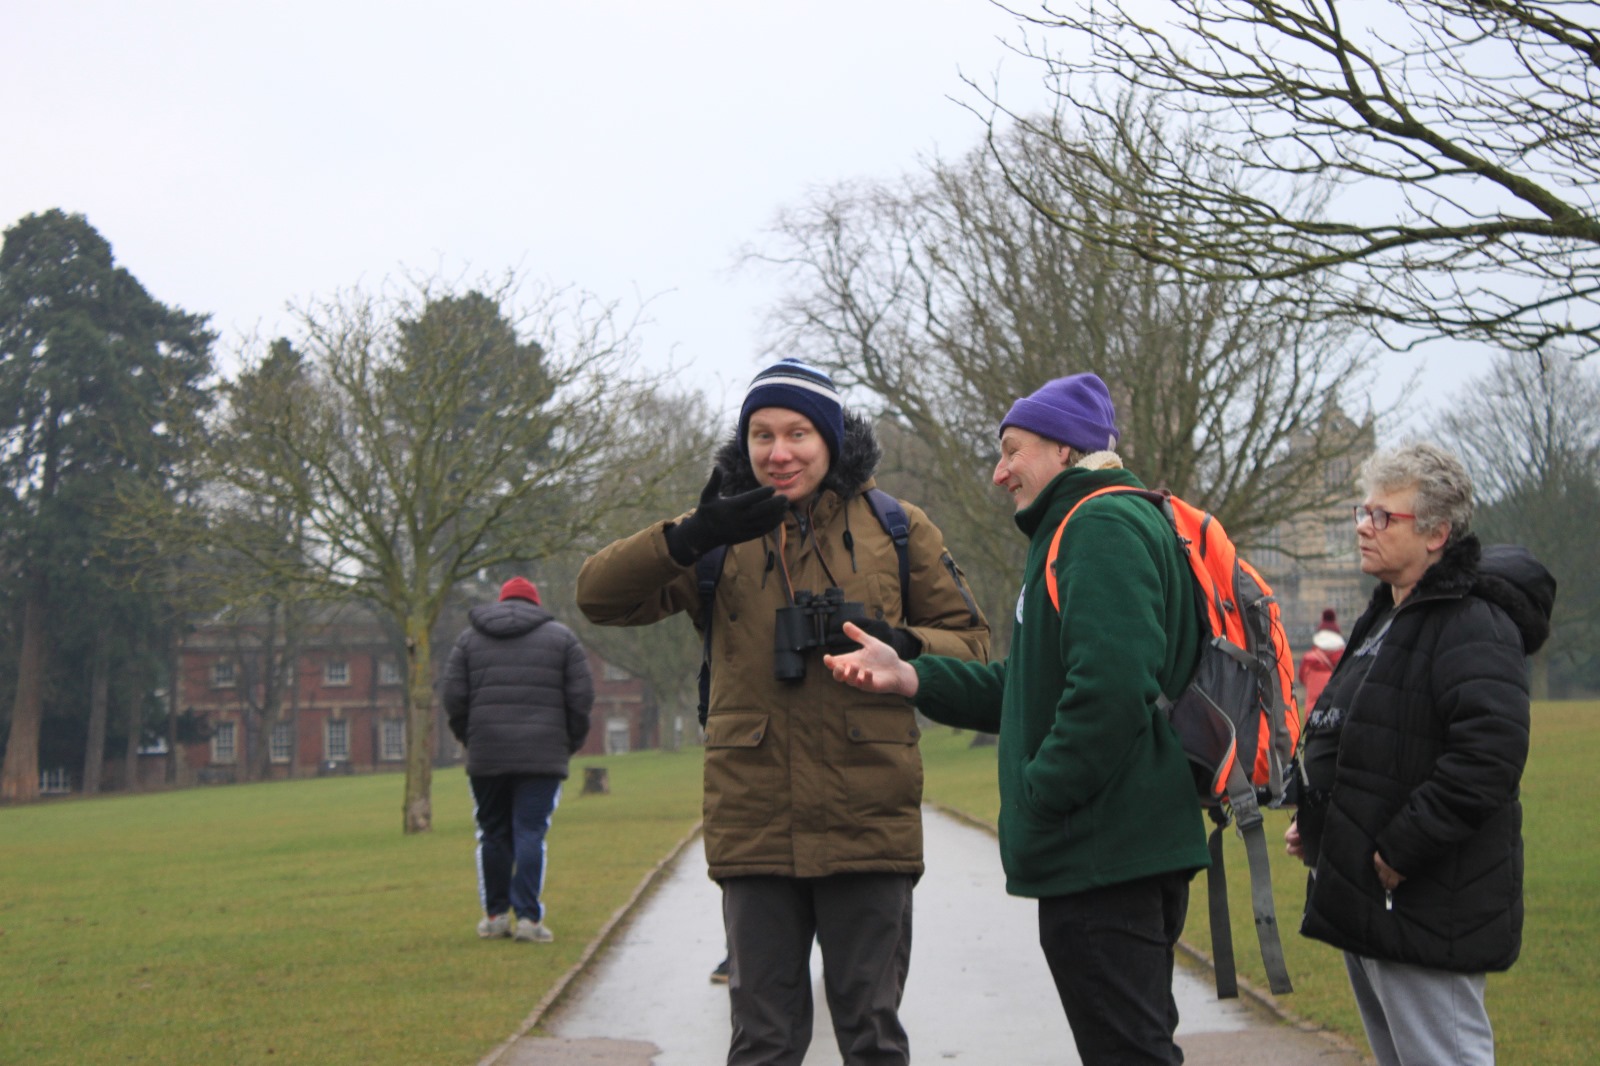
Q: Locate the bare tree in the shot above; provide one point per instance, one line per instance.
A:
(1454, 146)
(666, 657)
(947, 296)
(421, 436)
(1531, 440)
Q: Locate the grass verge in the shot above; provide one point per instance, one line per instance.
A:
(1539, 1008)
(293, 922)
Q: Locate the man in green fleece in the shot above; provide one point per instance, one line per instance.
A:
(1098, 818)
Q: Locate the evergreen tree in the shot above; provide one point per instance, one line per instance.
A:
(100, 385)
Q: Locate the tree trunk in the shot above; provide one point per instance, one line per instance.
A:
(135, 687)
(19, 777)
(291, 668)
(1539, 677)
(94, 753)
(418, 809)
(174, 703)
(259, 722)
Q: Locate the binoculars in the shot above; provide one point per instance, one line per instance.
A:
(815, 621)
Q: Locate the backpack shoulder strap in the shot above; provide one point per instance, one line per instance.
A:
(891, 515)
(707, 571)
(1157, 498)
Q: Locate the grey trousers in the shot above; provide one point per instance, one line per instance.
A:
(1416, 1016)
(863, 924)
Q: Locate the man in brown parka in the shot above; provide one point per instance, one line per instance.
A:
(813, 790)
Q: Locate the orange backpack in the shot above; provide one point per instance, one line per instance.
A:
(1237, 718)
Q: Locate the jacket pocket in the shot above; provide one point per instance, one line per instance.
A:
(745, 779)
(883, 767)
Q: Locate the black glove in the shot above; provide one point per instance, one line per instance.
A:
(725, 520)
(903, 641)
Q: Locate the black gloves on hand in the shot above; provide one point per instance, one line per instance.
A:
(725, 520)
(905, 645)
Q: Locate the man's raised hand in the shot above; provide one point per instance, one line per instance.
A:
(725, 519)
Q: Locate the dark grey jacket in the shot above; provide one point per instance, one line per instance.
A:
(517, 691)
(1430, 762)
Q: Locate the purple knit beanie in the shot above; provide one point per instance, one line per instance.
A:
(1075, 410)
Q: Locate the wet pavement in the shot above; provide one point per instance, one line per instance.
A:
(979, 991)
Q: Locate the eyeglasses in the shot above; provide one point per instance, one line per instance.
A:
(1380, 517)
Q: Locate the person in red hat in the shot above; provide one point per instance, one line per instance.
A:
(1316, 666)
(518, 691)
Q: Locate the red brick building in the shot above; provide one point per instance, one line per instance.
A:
(342, 703)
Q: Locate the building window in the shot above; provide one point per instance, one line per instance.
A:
(388, 672)
(1339, 540)
(392, 739)
(224, 743)
(55, 782)
(615, 673)
(222, 674)
(1338, 475)
(335, 672)
(281, 747)
(617, 736)
(338, 740)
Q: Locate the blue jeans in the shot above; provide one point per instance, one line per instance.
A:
(513, 815)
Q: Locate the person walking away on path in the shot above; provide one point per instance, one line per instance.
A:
(1317, 664)
(1409, 812)
(1098, 817)
(517, 691)
(813, 791)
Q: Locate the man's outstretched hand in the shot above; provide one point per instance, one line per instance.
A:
(875, 668)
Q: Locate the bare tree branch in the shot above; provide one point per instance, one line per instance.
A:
(1463, 136)
(944, 297)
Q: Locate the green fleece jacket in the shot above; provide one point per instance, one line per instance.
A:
(1094, 787)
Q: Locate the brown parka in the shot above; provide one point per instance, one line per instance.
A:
(806, 778)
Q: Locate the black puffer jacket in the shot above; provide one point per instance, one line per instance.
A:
(1429, 765)
(517, 691)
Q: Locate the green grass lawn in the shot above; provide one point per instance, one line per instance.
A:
(293, 922)
(1541, 1009)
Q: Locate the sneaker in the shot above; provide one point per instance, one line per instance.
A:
(533, 932)
(719, 976)
(494, 926)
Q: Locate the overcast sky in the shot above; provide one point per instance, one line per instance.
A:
(244, 157)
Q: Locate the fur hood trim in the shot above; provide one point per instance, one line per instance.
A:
(851, 470)
(1100, 461)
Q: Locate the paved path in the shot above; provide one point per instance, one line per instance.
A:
(979, 991)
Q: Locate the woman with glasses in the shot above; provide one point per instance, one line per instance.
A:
(1409, 813)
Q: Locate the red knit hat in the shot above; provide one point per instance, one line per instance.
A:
(519, 588)
(1329, 619)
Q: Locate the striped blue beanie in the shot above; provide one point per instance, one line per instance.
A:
(795, 386)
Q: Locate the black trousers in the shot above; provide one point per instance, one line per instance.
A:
(1110, 951)
(863, 924)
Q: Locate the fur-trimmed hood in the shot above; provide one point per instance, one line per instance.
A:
(848, 474)
(1506, 575)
